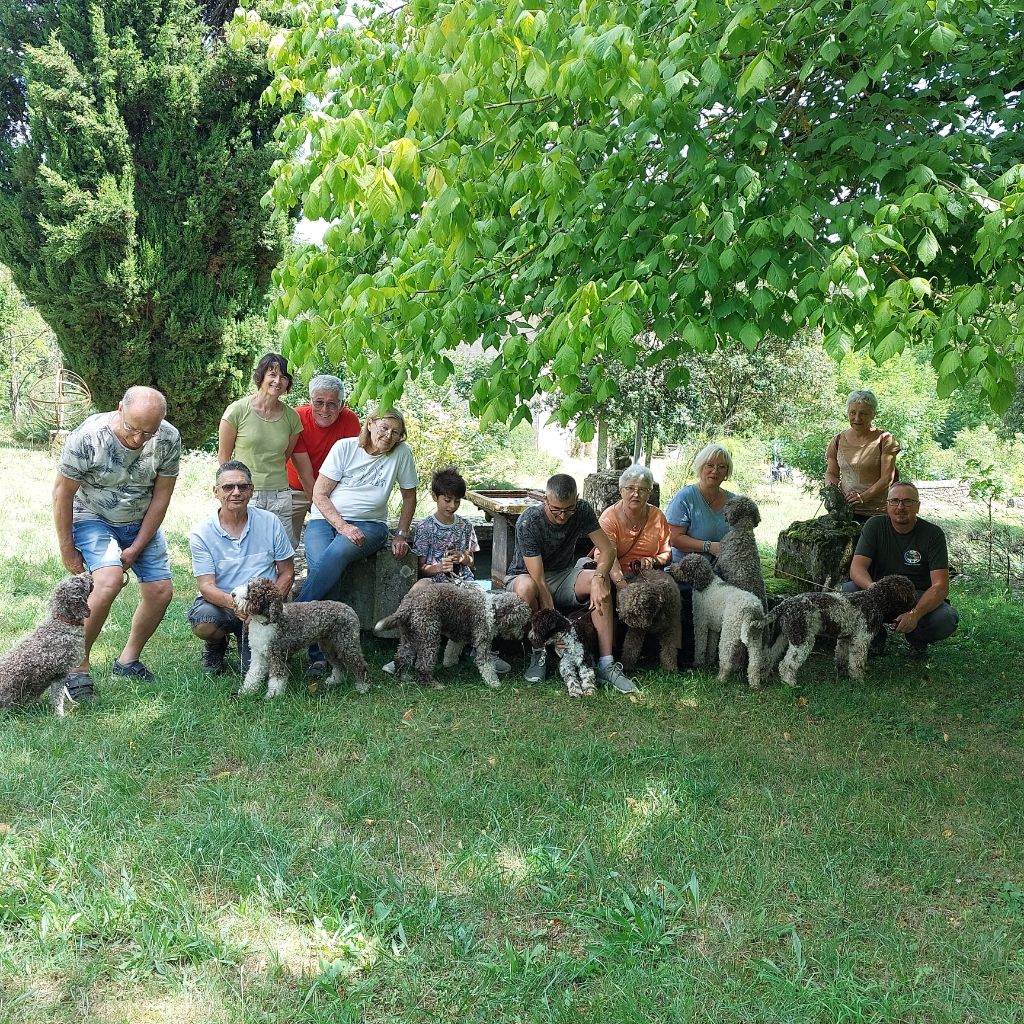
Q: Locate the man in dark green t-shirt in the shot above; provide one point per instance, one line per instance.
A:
(901, 543)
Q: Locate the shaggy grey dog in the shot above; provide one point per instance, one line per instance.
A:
(277, 630)
(650, 603)
(462, 614)
(734, 615)
(43, 659)
(853, 618)
(550, 628)
(738, 562)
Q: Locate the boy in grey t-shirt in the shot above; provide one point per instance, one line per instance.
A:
(544, 572)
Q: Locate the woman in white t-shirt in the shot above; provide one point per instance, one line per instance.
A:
(350, 507)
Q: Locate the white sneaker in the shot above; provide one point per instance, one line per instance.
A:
(616, 678)
(389, 668)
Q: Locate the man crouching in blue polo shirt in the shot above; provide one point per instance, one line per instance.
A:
(236, 544)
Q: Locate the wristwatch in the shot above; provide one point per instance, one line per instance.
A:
(402, 533)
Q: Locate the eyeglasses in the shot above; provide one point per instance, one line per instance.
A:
(637, 490)
(135, 432)
(902, 502)
(320, 404)
(235, 487)
(389, 431)
(561, 513)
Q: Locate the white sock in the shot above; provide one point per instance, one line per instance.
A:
(605, 661)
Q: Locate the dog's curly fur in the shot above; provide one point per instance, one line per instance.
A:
(44, 658)
(853, 618)
(550, 628)
(738, 562)
(735, 614)
(462, 614)
(650, 603)
(277, 630)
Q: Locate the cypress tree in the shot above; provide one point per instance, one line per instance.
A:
(133, 156)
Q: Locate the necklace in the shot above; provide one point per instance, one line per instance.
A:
(634, 527)
(267, 419)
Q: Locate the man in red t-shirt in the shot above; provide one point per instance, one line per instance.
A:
(325, 420)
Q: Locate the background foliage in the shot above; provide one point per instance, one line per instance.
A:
(555, 182)
(133, 155)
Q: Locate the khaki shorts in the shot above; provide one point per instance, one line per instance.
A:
(300, 506)
(278, 502)
(561, 583)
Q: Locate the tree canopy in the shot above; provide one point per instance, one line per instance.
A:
(555, 180)
(133, 156)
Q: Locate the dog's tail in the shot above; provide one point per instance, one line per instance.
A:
(392, 622)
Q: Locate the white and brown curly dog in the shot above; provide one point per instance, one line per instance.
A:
(649, 603)
(853, 618)
(277, 630)
(550, 628)
(735, 615)
(463, 615)
(738, 560)
(43, 659)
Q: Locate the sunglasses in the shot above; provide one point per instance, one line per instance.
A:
(234, 487)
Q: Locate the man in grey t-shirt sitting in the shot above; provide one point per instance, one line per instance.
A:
(544, 572)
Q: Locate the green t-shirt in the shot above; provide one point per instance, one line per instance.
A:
(913, 554)
(261, 444)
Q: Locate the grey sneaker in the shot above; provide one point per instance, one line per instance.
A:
(537, 669)
(389, 668)
(79, 688)
(616, 678)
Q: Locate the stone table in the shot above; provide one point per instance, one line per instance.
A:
(504, 507)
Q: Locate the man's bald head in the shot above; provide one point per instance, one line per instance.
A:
(144, 400)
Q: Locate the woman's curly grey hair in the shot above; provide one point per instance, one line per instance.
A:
(637, 472)
(863, 397)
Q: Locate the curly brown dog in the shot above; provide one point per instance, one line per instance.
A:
(462, 614)
(854, 618)
(277, 630)
(650, 603)
(44, 658)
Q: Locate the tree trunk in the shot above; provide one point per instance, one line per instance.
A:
(602, 444)
(638, 437)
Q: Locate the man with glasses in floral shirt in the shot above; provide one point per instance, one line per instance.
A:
(545, 575)
(900, 543)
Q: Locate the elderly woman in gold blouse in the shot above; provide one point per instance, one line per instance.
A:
(862, 459)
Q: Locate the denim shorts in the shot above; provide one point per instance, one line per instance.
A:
(201, 611)
(101, 544)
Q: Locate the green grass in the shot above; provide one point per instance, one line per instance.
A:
(842, 853)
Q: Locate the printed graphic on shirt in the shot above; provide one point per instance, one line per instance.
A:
(912, 557)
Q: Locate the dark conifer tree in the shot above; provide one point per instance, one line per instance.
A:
(133, 156)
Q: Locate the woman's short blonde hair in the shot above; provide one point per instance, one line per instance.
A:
(709, 452)
(385, 414)
(862, 397)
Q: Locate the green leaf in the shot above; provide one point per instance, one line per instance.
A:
(927, 247)
(621, 327)
(537, 74)
(755, 76)
(750, 335)
(942, 37)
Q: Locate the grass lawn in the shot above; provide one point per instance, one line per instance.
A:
(840, 853)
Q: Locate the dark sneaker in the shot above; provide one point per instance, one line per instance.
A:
(537, 669)
(79, 688)
(317, 669)
(213, 656)
(134, 670)
(918, 650)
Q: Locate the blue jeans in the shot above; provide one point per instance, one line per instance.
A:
(329, 554)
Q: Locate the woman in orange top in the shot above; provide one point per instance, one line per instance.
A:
(638, 530)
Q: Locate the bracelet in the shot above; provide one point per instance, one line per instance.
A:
(707, 547)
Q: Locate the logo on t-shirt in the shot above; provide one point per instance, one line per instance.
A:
(911, 557)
